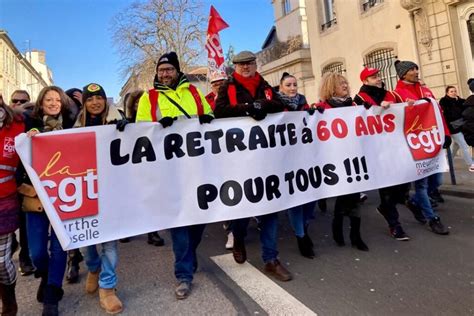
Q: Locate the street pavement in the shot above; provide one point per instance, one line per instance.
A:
(428, 275)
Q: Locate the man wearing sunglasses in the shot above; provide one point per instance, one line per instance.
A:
(19, 97)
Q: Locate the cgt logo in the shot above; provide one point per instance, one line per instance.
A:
(67, 167)
(421, 131)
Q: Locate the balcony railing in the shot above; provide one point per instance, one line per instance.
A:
(279, 50)
(367, 4)
(328, 24)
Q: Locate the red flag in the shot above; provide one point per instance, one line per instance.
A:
(216, 23)
(215, 54)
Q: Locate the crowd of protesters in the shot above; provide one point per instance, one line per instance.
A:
(242, 93)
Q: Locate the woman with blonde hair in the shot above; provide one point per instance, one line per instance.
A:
(335, 93)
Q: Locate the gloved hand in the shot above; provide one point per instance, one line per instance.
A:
(366, 105)
(256, 111)
(447, 141)
(311, 111)
(120, 124)
(205, 119)
(320, 109)
(166, 121)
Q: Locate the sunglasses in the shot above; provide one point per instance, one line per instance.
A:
(19, 101)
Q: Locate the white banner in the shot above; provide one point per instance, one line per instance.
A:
(98, 184)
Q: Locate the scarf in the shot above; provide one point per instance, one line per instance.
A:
(52, 123)
(377, 94)
(250, 84)
(293, 103)
(337, 102)
(3, 115)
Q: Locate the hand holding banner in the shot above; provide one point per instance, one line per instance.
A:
(148, 178)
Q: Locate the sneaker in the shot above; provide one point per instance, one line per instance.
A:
(26, 268)
(398, 233)
(435, 195)
(183, 290)
(471, 168)
(437, 227)
(362, 197)
(230, 241)
(416, 211)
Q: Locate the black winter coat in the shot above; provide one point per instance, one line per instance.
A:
(245, 100)
(452, 111)
(468, 115)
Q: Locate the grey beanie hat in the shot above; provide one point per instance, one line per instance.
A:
(402, 67)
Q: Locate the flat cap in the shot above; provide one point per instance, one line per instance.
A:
(244, 57)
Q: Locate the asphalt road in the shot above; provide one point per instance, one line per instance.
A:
(428, 275)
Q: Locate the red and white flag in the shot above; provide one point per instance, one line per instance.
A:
(215, 54)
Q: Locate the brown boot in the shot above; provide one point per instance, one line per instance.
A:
(109, 301)
(92, 282)
(238, 251)
(276, 269)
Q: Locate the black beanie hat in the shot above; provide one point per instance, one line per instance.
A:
(402, 67)
(70, 93)
(92, 89)
(169, 58)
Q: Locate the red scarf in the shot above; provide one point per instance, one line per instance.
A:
(250, 84)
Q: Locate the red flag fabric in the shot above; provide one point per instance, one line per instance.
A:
(216, 23)
(215, 54)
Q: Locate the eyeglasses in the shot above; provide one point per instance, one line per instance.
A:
(167, 70)
(247, 63)
(21, 101)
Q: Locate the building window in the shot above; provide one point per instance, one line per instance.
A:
(384, 60)
(367, 4)
(327, 14)
(286, 5)
(334, 67)
(470, 30)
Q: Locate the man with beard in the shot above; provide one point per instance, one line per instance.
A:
(173, 97)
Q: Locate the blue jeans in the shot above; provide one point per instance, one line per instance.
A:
(185, 242)
(460, 142)
(268, 234)
(106, 262)
(421, 198)
(299, 217)
(54, 262)
(434, 182)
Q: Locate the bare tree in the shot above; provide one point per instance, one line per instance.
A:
(147, 29)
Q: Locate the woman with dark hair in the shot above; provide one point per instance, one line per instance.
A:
(11, 125)
(102, 266)
(47, 116)
(453, 106)
(335, 93)
(299, 215)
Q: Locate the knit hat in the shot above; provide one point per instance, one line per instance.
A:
(169, 58)
(367, 72)
(470, 82)
(92, 89)
(402, 67)
(70, 93)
